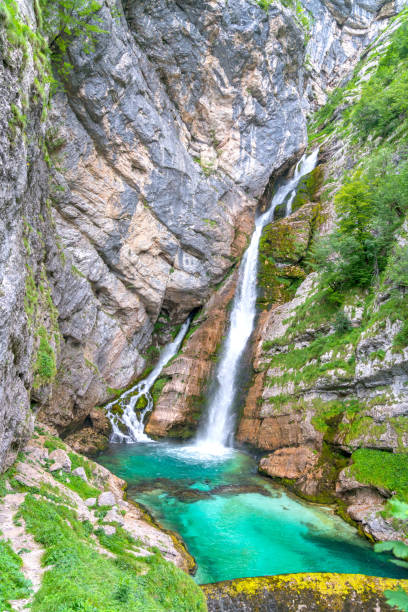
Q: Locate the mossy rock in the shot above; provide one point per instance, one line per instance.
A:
(308, 188)
(141, 403)
(312, 592)
(287, 240)
(158, 387)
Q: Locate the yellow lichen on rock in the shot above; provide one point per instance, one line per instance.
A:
(315, 592)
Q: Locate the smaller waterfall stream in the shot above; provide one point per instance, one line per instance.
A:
(129, 419)
(217, 431)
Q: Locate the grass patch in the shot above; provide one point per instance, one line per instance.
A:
(80, 461)
(82, 579)
(382, 469)
(75, 483)
(13, 584)
(53, 443)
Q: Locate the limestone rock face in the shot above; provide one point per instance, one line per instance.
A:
(165, 148)
(340, 31)
(331, 401)
(25, 243)
(167, 134)
(179, 406)
(289, 463)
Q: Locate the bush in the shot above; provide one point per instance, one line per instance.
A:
(342, 323)
(383, 105)
(371, 206)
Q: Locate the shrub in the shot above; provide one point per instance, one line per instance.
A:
(342, 323)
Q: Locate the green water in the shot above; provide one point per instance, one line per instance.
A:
(235, 522)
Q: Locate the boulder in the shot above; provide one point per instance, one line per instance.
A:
(106, 498)
(109, 529)
(79, 471)
(289, 463)
(113, 516)
(61, 460)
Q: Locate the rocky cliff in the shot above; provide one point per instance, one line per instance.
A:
(328, 401)
(335, 38)
(156, 152)
(128, 196)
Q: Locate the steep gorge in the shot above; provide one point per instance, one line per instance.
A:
(167, 133)
(129, 196)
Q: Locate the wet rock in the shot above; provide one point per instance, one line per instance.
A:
(88, 441)
(179, 406)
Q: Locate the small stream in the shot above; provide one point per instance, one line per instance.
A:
(235, 522)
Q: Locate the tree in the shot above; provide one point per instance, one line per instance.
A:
(66, 20)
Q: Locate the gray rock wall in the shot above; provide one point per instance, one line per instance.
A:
(166, 136)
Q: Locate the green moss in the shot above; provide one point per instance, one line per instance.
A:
(308, 188)
(158, 387)
(284, 241)
(20, 35)
(379, 468)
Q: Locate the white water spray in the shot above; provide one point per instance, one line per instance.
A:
(128, 419)
(217, 431)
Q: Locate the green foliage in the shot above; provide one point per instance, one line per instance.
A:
(398, 268)
(82, 579)
(397, 509)
(397, 599)
(45, 367)
(341, 323)
(379, 468)
(265, 4)
(398, 549)
(370, 206)
(13, 584)
(68, 20)
(324, 115)
(383, 105)
(53, 443)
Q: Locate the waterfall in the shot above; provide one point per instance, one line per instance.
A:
(217, 431)
(128, 419)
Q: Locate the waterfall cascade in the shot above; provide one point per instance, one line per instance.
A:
(217, 431)
(129, 420)
(216, 434)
